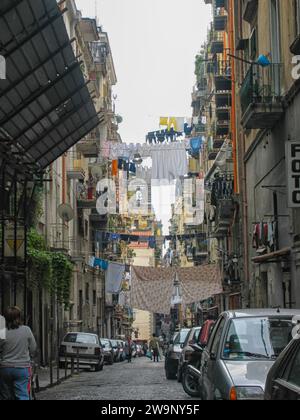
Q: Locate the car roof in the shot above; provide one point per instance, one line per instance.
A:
(250, 313)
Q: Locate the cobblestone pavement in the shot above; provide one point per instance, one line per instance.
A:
(141, 380)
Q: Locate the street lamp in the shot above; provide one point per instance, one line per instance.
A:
(176, 300)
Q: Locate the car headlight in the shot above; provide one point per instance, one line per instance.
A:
(246, 393)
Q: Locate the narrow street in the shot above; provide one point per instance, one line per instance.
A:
(141, 380)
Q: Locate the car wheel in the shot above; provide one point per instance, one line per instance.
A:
(99, 368)
(190, 385)
(170, 375)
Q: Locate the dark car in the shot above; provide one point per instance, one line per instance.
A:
(283, 382)
(83, 348)
(187, 351)
(108, 351)
(174, 352)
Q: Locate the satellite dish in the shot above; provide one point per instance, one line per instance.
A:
(65, 212)
(96, 172)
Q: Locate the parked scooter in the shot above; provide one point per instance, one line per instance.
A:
(191, 375)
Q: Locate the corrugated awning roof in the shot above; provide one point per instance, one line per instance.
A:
(45, 104)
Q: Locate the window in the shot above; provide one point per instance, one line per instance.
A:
(81, 339)
(294, 376)
(94, 297)
(275, 31)
(87, 292)
(217, 337)
(257, 338)
(297, 15)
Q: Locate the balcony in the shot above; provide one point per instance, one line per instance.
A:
(220, 23)
(76, 171)
(222, 75)
(86, 197)
(89, 147)
(261, 99)
(60, 239)
(217, 43)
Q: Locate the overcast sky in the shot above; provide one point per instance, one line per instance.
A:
(154, 44)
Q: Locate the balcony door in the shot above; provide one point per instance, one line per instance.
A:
(275, 46)
(275, 31)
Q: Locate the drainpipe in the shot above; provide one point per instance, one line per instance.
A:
(233, 105)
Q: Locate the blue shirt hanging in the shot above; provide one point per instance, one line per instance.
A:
(196, 144)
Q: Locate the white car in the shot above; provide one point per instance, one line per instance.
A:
(86, 348)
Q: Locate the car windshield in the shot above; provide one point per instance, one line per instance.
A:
(181, 336)
(197, 335)
(106, 343)
(257, 338)
(81, 339)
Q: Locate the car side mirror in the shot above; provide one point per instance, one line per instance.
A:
(213, 357)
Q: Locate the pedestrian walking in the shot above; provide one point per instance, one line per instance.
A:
(154, 347)
(128, 349)
(16, 351)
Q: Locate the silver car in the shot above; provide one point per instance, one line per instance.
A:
(243, 347)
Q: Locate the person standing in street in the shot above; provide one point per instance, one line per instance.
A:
(128, 349)
(154, 347)
(16, 351)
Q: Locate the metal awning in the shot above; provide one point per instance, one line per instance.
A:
(45, 103)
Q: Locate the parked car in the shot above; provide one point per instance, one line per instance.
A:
(122, 351)
(116, 351)
(283, 382)
(140, 352)
(187, 351)
(174, 352)
(190, 381)
(134, 350)
(108, 351)
(243, 347)
(86, 347)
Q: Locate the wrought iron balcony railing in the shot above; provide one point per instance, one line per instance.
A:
(261, 95)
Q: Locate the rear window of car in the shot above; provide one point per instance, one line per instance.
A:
(81, 339)
(180, 338)
(106, 343)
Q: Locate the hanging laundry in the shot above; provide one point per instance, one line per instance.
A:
(152, 242)
(194, 166)
(115, 237)
(169, 162)
(114, 277)
(105, 149)
(270, 235)
(132, 168)
(188, 129)
(98, 262)
(164, 121)
(173, 123)
(115, 167)
(196, 144)
(180, 124)
(195, 120)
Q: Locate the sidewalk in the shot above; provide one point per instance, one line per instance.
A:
(44, 377)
